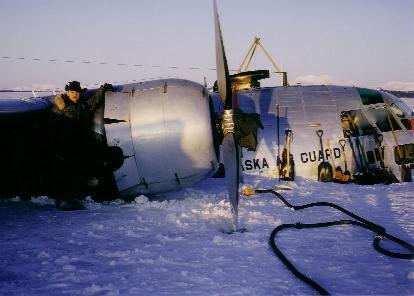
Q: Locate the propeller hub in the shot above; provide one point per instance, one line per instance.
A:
(228, 123)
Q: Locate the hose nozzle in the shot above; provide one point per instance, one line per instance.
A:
(248, 191)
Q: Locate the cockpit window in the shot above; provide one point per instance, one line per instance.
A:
(397, 111)
(355, 124)
(404, 154)
(407, 123)
(384, 119)
(369, 96)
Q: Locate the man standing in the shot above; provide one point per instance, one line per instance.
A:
(71, 141)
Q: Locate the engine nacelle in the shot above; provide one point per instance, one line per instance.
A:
(164, 129)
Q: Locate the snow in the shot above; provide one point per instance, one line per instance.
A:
(176, 244)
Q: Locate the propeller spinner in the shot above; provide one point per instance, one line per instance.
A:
(230, 147)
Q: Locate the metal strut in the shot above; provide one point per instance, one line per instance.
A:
(250, 53)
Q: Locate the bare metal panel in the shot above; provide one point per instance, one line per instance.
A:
(324, 108)
(118, 133)
(171, 134)
(286, 91)
(117, 105)
(327, 117)
(346, 98)
(127, 176)
(319, 101)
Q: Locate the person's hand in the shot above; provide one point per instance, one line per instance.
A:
(108, 87)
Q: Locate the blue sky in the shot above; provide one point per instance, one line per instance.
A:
(367, 43)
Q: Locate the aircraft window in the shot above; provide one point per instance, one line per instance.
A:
(407, 123)
(356, 124)
(379, 156)
(382, 118)
(397, 111)
(404, 154)
(370, 157)
(369, 96)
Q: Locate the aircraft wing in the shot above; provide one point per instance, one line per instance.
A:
(16, 107)
(23, 149)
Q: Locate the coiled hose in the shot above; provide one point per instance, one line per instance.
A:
(359, 221)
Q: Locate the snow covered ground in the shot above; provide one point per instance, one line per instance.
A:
(175, 244)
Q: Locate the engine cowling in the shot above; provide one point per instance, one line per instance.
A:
(164, 129)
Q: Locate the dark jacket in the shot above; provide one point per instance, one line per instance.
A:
(71, 124)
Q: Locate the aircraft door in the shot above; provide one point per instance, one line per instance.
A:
(363, 141)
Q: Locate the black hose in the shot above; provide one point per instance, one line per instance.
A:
(361, 222)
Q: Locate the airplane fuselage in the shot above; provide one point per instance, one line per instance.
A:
(306, 109)
(167, 133)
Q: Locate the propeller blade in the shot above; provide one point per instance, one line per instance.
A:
(231, 163)
(230, 147)
(223, 77)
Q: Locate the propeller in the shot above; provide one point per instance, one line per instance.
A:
(230, 147)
